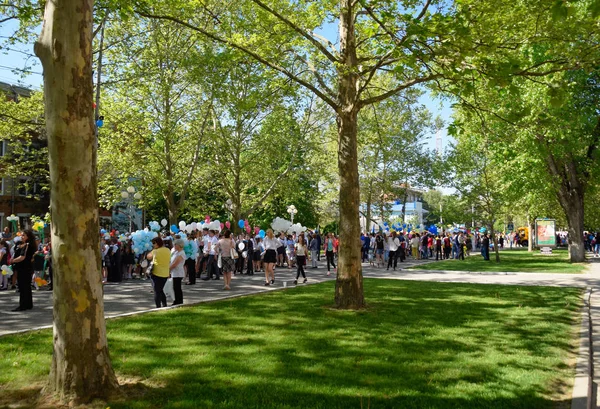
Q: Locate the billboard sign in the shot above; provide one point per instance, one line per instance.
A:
(545, 233)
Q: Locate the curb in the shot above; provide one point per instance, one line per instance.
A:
(584, 387)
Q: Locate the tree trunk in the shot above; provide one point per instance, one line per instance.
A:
(575, 221)
(349, 284)
(172, 209)
(81, 369)
(368, 204)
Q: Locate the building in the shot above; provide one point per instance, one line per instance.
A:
(414, 209)
(20, 195)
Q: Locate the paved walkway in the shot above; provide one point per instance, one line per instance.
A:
(134, 296)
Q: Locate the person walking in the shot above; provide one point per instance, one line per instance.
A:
(177, 269)
(314, 250)
(301, 254)
(160, 257)
(22, 263)
(226, 248)
(393, 244)
(438, 248)
(379, 247)
(485, 247)
(330, 248)
(271, 244)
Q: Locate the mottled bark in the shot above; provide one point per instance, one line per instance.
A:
(81, 369)
(349, 284)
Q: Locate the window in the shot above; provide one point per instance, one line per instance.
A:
(3, 145)
(2, 187)
(27, 187)
(24, 221)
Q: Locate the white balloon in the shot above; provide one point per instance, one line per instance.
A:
(194, 225)
(164, 222)
(241, 246)
(144, 263)
(245, 254)
(182, 225)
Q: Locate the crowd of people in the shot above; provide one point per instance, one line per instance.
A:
(221, 254)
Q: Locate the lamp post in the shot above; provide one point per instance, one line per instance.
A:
(129, 196)
(292, 211)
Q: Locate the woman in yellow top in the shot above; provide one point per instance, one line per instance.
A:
(161, 259)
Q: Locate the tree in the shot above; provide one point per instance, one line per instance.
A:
(157, 112)
(550, 129)
(81, 368)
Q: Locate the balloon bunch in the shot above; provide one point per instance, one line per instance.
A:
(296, 228)
(39, 227)
(142, 241)
(191, 249)
(433, 229)
(7, 271)
(280, 225)
(13, 220)
(154, 226)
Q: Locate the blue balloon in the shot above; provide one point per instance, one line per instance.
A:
(385, 223)
(241, 224)
(404, 226)
(99, 123)
(102, 231)
(174, 228)
(261, 234)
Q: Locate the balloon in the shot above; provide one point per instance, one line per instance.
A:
(241, 223)
(174, 229)
(207, 219)
(107, 236)
(245, 254)
(227, 224)
(182, 225)
(246, 223)
(164, 222)
(248, 229)
(256, 229)
(194, 226)
(102, 231)
(144, 264)
(221, 224)
(261, 234)
(99, 123)
(241, 246)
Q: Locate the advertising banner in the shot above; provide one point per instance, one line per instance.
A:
(545, 233)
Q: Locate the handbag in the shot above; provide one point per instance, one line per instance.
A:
(168, 289)
(234, 254)
(219, 262)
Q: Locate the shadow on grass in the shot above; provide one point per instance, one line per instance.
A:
(419, 345)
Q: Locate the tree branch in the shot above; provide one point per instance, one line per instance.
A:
(399, 88)
(304, 33)
(245, 50)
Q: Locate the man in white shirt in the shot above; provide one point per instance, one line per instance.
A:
(212, 270)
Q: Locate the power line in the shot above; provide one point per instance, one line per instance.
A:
(20, 70)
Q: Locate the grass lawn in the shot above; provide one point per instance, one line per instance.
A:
(418, 345)
(519, 260)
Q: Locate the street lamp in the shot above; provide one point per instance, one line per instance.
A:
(292, 211)
(129, 195)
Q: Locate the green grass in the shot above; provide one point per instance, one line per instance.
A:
(418, 345)
(519, 260)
